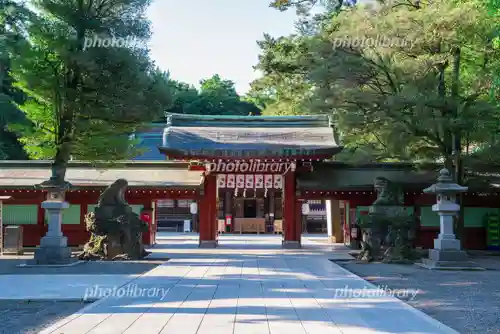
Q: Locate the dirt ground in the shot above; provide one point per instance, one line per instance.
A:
(468, 301)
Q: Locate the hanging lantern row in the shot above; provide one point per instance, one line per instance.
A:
(100, 191)
(327, 193)
(262, 160)
(339, 192)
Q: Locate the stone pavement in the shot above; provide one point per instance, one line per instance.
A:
(64, 283)
(56, 287)
(248, 285)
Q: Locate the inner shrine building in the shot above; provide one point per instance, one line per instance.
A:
(250, 167)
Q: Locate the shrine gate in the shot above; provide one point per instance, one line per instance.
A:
(250, 166)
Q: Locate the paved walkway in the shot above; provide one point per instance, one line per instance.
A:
(56, 287)
(248, 285)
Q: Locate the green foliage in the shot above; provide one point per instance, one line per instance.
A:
(82, 101)
(11, 25)
(284, 87)
(417, 97)
(215, 97)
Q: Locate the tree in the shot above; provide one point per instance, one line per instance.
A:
(305, 7)
(12, 16)
(284, 86)
(427, 100)
(215, 97)
(183, 98)
(83, 100)
(396, 101)
(310, 19)
(416, 100)
(10, 147)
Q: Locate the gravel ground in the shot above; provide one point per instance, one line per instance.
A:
(19, 317)
(468, 301)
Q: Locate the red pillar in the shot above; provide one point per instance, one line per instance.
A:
(298, 220)
(148, 237)
(292, 233)
(208, 213)
(41, 227)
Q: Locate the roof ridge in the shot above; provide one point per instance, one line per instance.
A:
(187, 120)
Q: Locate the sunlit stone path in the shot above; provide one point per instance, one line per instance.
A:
(248, 285)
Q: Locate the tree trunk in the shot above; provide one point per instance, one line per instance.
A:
(457, 144)
(60, 163)
(67, 111)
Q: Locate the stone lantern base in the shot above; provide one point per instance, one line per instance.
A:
(449, 259)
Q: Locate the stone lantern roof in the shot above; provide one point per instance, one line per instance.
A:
(445, 184)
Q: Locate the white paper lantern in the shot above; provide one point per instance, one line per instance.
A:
(193, 208)
(305, 208)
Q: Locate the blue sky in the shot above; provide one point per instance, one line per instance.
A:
(196, 39)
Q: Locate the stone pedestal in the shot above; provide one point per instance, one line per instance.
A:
(53, 248)
(208, 244)
(447, 254)
(288, 244)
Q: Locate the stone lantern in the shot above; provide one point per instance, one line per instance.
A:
(446, 253)
(54, 249)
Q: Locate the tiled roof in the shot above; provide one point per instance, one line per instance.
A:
(249, 137)
(149, 140)
(231, 121)
(170, 175)
(327, 178)
(340, 176)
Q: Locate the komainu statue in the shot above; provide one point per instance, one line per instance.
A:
(388, 230)
(116, 231)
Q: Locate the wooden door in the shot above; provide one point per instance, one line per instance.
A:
(260, 208)
(238, 207)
